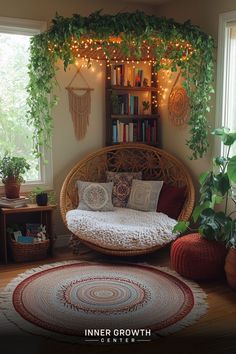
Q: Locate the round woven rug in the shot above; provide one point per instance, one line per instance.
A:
(61, 300)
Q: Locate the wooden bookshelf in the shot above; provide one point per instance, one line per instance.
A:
(126, 122)
(132, 88)
(134, 116)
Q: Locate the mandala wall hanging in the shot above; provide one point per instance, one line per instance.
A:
(178, 105)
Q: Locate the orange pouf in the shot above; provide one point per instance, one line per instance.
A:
(196, 258)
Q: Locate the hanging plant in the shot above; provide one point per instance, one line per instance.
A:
(125, 36)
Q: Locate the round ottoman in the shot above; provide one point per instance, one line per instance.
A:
(196, 258)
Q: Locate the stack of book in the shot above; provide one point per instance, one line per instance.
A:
(140, 130)
(13, 203)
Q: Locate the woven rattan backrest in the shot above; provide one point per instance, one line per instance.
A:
(155, 164)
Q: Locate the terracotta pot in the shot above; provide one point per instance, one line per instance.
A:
(230, 268)
(12, 188)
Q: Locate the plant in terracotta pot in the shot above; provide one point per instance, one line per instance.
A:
(12, 170)
(213, 216)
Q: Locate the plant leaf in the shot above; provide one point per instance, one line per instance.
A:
(231, 169)
(199, 209)
(203, 177)
(181, 226)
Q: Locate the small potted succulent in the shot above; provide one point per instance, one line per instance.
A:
(12, 169)
(41, 197)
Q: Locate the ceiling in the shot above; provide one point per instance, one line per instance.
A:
(153, 2)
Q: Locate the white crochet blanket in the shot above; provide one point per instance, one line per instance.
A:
(121, 229)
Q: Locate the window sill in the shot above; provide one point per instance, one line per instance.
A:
(28, 187)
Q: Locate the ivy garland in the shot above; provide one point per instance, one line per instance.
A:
(135, 29)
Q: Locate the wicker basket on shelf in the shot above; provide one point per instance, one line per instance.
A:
(22, 252)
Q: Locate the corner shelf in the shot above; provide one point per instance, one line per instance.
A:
(121, 99)
(134, 116)
(132, 88)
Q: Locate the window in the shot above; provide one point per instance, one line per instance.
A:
(15, 132)
(226, 81)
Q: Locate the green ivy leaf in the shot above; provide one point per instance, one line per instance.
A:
(204, 176)
(231, 169)
(220, 131)
(219, 161)
(181, 226)
(199, 209)
(221, 183)
(229, 139)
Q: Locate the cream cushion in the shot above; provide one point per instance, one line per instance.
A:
(144, 195)
(121, 229)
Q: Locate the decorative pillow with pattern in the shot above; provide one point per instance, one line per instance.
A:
(122, 186)
(95, 196)
(144, 195)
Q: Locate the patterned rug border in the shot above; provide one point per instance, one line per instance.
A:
(8, 310)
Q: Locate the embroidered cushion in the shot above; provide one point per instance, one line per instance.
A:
(95, 196)
(122, 186)
(144, 195)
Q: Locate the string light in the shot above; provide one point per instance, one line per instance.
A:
(91, 50)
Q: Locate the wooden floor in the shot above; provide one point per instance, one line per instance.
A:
(214, 333)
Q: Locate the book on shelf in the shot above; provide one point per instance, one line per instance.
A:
(117, 75)
(125, 104)
(138, 77)
(143, 131)
(13, 203)
(131, 132)
(133, 105)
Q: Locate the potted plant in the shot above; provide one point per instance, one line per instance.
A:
(12, 169)
(213, 215)
(41, 196)
(146, 106)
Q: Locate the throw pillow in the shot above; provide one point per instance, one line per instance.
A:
(171, 200)
(122, 186)
(144, 195)
(95, 196)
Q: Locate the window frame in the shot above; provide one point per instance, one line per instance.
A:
(30, 28)
(222, 75)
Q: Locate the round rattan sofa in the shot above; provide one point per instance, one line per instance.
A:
(155, 164)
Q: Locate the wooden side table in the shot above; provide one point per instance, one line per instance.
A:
(31, 213)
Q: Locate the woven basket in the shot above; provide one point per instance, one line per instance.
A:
(22, 252)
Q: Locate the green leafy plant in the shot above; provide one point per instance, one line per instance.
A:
(39, 190)
(182, 46)
(13, 167)
(217, 187)
(146, 105)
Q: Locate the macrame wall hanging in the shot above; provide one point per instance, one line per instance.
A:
(80, 106)
(178, 105)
